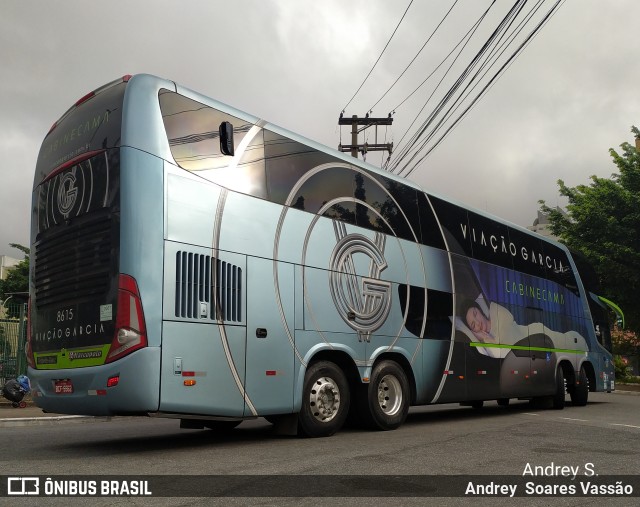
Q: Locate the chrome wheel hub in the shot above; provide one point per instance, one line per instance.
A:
(390, 395)
(324, 399)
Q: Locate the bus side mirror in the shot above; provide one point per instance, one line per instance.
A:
(226, 138)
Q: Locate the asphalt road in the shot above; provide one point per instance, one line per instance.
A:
(601, 438)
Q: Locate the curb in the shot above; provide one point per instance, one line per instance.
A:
(16, 422)
(628, 387)
(620, 391)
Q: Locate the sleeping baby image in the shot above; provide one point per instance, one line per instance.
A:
(495, 325)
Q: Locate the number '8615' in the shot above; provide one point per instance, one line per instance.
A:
(64, 315)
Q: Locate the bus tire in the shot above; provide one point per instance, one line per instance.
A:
(387, 397)
(580, 392)
(561, 390)
(325, 400)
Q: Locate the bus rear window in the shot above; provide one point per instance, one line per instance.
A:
(93, 125)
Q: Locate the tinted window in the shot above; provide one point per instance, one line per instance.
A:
(439, 311)
(600, 315)
(377, 215)
(318, 178)
(325, 186)
(455, 223)
(527, 253)
(558, 268)
(83, 188)
(489, 240)
(429, 228)
(287, 162)
(399, 207)
(94, 125)
(193, 131)
(248, 176)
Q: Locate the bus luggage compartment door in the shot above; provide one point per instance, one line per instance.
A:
(202, 369)
(270, 337)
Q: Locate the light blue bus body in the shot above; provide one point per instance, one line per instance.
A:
(251, 268)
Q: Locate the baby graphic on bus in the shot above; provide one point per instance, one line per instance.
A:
(496, 326)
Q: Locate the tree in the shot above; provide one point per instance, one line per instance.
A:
(603, 224)
(18, 277)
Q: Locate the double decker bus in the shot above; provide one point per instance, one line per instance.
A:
(195, 262)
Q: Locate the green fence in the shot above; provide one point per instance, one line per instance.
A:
(13, 336)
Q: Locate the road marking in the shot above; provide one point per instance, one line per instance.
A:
(570, 419)
(531, 413)
(625, 425)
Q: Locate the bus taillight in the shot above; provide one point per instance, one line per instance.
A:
(130, 333)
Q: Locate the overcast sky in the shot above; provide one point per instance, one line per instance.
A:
(570, 96)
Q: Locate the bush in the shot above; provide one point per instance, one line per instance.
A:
(623, 370)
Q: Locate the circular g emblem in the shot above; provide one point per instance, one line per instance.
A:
(67, 193)
(362, 302)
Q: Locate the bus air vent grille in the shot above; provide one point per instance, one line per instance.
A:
(202, 280)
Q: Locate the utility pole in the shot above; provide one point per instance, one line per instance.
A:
(365, 122)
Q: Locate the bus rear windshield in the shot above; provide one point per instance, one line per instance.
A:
(94, 125)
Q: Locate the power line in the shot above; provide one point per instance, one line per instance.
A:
(416, 56)
(457, 84)
(374, 65)
(469, 35)
(493, 57)
(495, 77)
(497, 35)
(473, 27)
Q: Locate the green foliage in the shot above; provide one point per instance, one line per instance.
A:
(622, 369)
(603, 223)
(18, 277)
(25, 250)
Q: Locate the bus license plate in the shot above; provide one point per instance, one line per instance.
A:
(63, 386)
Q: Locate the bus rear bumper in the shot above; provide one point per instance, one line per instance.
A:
(137, 390)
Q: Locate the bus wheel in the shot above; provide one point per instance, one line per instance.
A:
(503, 402)
(561, 389)
(580, 392)
(387, 397)
(325, 400)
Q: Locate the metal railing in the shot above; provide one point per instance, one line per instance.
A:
(13, 336)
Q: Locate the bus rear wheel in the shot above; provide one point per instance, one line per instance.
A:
(325, 400)
(580, 392)
(386, 403)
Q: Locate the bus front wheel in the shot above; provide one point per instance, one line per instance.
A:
(325, 400)
(387, 397)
